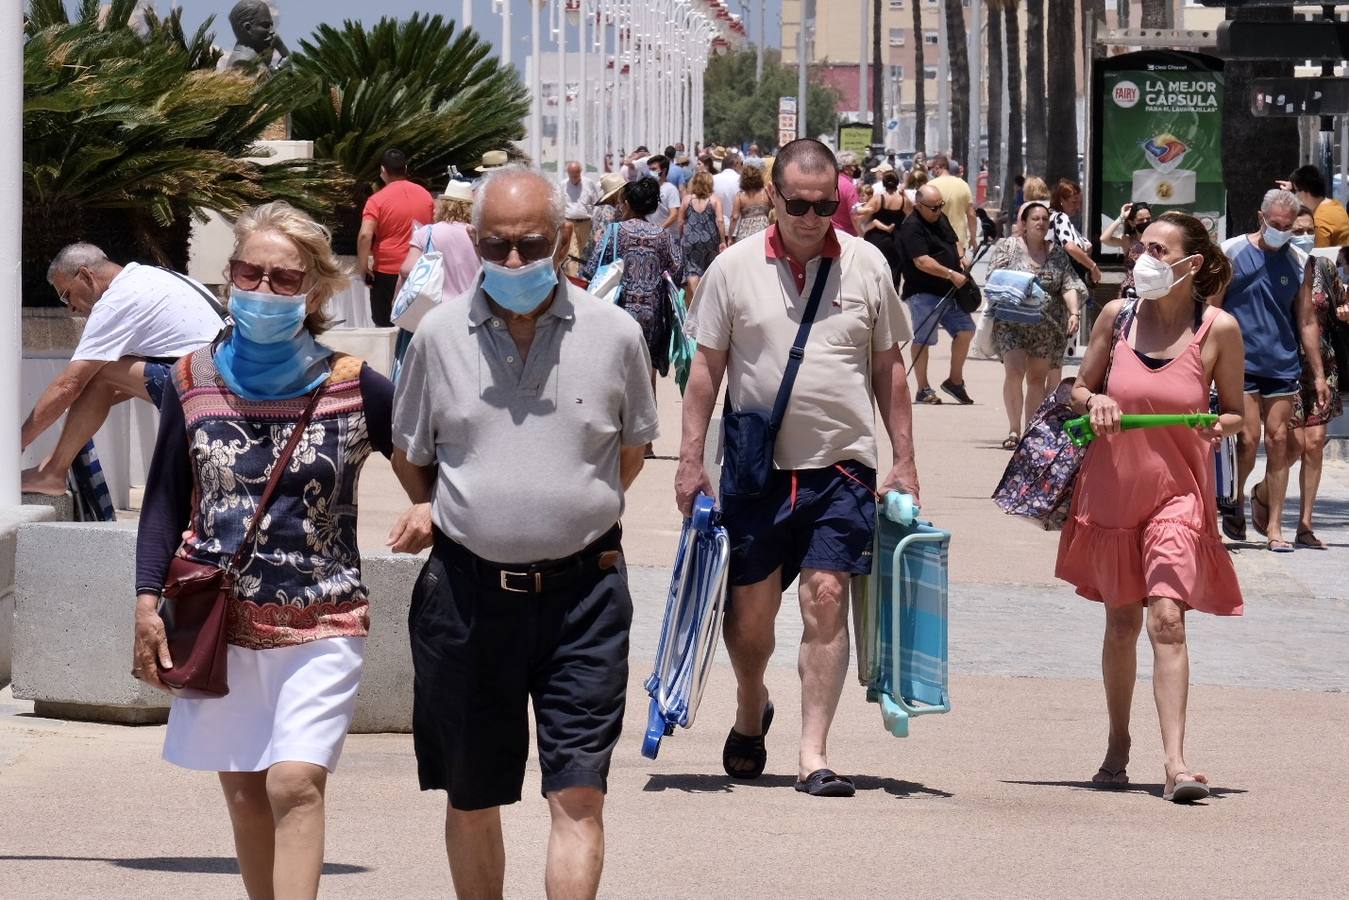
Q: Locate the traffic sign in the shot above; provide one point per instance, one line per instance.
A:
(1283, 40)
(786, 105)
(787, 122)
(786, 137)
(1300, 96)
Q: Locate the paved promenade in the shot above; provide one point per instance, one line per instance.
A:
(991, 800)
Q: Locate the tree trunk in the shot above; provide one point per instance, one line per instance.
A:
(1248, 175)
(1122, 12)
(1036, 119)
(877, 78)
(1061, 117)
(1156, 13)
(958, 64)
(919, 81)
(994, 127)
(1015, 163)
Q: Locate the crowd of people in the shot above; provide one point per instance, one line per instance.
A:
(519, 370)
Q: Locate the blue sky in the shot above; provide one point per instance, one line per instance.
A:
(298, 18)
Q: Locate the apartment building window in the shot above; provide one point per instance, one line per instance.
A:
(929, 73)
(897, 73)
(896, 4)
(896, 37)
(931, 37)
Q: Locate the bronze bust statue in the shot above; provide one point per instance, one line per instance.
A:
(256, 40)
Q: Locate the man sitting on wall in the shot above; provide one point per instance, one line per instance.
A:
(141, 319)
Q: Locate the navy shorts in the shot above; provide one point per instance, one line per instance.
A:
(1272, 387)
(807, 519)
(952, 318)
(156, 377)
(481, 655)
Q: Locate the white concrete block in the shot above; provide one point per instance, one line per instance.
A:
(11, 517)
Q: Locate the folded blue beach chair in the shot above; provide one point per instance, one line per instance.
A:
(692, 625)
(900, 617)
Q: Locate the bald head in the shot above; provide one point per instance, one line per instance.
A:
(929, 202)
(517, 198)
(574, 172)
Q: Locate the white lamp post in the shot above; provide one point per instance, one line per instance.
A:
(536, 88)
(504, 7)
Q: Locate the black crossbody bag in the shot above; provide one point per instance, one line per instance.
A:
(748, 435)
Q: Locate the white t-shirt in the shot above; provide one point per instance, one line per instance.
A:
(148, 312)
(726, 184)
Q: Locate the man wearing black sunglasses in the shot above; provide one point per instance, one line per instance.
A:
(816, 515)
(139, 320)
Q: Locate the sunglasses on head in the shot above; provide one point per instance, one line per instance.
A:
(247, 277)
(531, 247)
(798, 207)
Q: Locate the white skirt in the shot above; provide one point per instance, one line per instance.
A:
(286, 704)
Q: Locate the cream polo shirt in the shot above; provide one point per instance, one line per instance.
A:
(748, 304)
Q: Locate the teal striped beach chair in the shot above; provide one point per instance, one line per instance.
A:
(900, 617)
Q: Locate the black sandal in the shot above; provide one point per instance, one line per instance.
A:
(741, 747)
(825, 783)
(1234, 523)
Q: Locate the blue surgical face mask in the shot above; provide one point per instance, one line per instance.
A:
(1274, 238)
(521, 290)
(1304, 242)
(1344, 274)
(267, 318)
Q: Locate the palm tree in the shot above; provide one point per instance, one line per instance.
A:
(919, 80)
(877, 84)
(958, 65)
(128, 135)
(1061, 152)
(1015, 163)
(1036, 120)
(995, 81)
(422, 85)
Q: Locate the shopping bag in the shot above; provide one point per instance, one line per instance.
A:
(421, 289)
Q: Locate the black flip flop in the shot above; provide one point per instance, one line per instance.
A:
(747, 746)
(825, 783)
(1233, 523)
(1259, 511)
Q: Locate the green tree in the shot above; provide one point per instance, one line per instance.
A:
(130, 134)
(422, 85)
(733, 115)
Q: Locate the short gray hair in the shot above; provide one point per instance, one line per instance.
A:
(1278, 198)
(846, 158)
(74, 257)
(556, 207)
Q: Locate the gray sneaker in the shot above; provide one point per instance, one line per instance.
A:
(957, 391)
(927, 395)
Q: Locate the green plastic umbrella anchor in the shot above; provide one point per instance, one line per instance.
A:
(1081, 433)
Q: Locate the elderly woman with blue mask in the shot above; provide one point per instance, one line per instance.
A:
(297, 612)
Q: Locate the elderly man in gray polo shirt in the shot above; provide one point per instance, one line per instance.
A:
(520, 418)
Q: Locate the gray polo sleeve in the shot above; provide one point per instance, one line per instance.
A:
(641, 424)
(414, 430)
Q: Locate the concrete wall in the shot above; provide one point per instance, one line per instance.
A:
(11, 518)
(73, 630)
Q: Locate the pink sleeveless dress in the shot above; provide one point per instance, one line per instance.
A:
(1144, 516)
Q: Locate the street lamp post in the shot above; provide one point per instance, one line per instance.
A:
(536, 88)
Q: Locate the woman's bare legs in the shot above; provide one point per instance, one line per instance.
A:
(1170, 682)
(1119, 671)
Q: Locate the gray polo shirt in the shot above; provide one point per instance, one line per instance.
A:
(526, 450)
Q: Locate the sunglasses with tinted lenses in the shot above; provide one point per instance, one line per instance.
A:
(531, 247)
(798, 207)
(247, 277)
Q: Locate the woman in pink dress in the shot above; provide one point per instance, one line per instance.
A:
(1142, 533)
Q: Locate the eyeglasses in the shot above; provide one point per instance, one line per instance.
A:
(64, 296)
(938, 207)
(246, 276)
(1156, 251)
(531, 247)
(798, 207)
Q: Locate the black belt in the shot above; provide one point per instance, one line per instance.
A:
(543, 577)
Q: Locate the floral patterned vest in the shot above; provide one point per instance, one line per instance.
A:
(303, 580)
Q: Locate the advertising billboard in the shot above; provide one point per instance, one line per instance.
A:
(1158, 138)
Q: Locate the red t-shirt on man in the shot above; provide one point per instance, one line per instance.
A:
(394, 208)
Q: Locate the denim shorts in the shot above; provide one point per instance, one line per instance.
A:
(156, 377)
(952, 318)
(1272, 387)
(806, 519)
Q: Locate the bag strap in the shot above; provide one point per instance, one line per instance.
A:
(1121, 325)
(278, 467)
(206, 295)
(798, 351)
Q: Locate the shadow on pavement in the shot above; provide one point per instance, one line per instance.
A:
(711, 784)
(1130, 788)
(192, 865)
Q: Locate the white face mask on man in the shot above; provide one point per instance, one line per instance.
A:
(1154, 279)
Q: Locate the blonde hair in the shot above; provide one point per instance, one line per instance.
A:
(916, 178)
(1035, 189)
(450, 210)
(701, 185)
(324, 276)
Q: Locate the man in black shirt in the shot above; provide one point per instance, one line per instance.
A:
(932, 271)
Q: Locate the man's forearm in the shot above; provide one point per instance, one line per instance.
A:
(364, 240)
(52, 405)
(1311, 336)
(630, 463)
(419, 482)
(932, 267)
(891, 385)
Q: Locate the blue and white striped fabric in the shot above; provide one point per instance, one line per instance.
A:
(1015, 296)
(912, 669)
(93, 501)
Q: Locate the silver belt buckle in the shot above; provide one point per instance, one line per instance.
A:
(538, 582)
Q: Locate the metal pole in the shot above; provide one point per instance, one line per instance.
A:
(943, 134)
(560, 42)
(505, 32)
(584, 95)
(862, 63)
(11, 252)
(759, 43)
(536, 88)
(976, 58)
(466, 17)
(1325, 139)
(801, 74)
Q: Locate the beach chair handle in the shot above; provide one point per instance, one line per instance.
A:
(1081, 433)
(900, 508)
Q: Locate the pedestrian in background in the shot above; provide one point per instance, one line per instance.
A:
(1272, 301)
(1141, 535)
(298, 612)
(608, 209)
(1332, 222)
(1065, 202)
(916, 178)
(752, 211)
(1311, 414)
(701, 234)
(386, 232)
(726, 185)
(678, 173)
(885, 210)
(958, 201)
(933, 271)
(848, 170)
(449, 236)
(518, 492)
(579, 194)
(817, 515)
(666, 213)
(1030, 351)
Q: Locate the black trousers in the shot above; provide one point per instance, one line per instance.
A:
(381, 299)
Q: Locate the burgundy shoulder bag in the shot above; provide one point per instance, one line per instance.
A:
(195, 600)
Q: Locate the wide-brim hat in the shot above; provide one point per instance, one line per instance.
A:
(718, 153)
(458, 190)
(493, 159)
(610, 185)
(883, 168)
